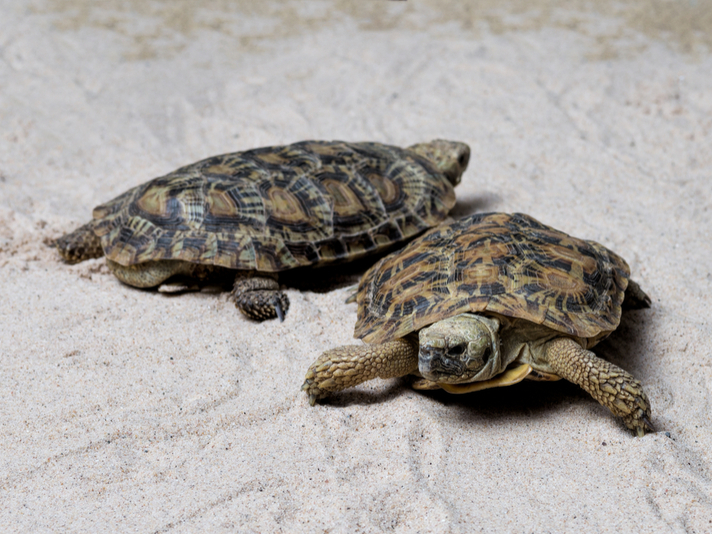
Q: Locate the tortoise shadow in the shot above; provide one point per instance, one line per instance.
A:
(330, 277)
(626, 346)
(474, 204)
(360, 397)
(528, 398)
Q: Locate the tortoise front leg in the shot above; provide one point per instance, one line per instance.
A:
(79, 245)
(610, 385)
(350, 365)
(259, 297)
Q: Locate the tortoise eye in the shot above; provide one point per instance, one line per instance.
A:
(486, 354)
(458, 349)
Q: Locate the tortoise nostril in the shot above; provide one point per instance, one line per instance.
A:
(457, 350)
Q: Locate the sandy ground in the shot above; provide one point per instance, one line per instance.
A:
(127, 410)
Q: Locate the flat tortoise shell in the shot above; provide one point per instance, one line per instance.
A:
(488, 301)
(271, 209)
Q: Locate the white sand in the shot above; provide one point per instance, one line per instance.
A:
(124, 410)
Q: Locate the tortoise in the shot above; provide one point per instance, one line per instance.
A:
(270, 209)
(487, 301)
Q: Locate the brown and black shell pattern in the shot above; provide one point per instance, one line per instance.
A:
(506, 264)
(277, 208)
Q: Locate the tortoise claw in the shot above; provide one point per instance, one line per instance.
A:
(353, 293)
(307, 386)
(278, 309)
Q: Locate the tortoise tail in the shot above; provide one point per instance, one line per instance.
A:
(79, 245)
(635, 298)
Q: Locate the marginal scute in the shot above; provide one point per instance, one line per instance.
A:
(511, 265)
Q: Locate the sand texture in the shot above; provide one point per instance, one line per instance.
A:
(131, 411)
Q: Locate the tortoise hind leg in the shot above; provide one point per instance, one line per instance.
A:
(79, 245)
(610, 385)
(635, 298)
(259, 297)
(350, 365)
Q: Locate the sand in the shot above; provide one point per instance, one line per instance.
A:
(126, 410)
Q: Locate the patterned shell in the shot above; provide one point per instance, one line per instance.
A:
(511, 265)
(276, 208)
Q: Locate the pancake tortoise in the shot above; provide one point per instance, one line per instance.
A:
(488, 301)
(271, 209)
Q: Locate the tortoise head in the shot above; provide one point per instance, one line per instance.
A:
(460, 349)
(450, 157)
